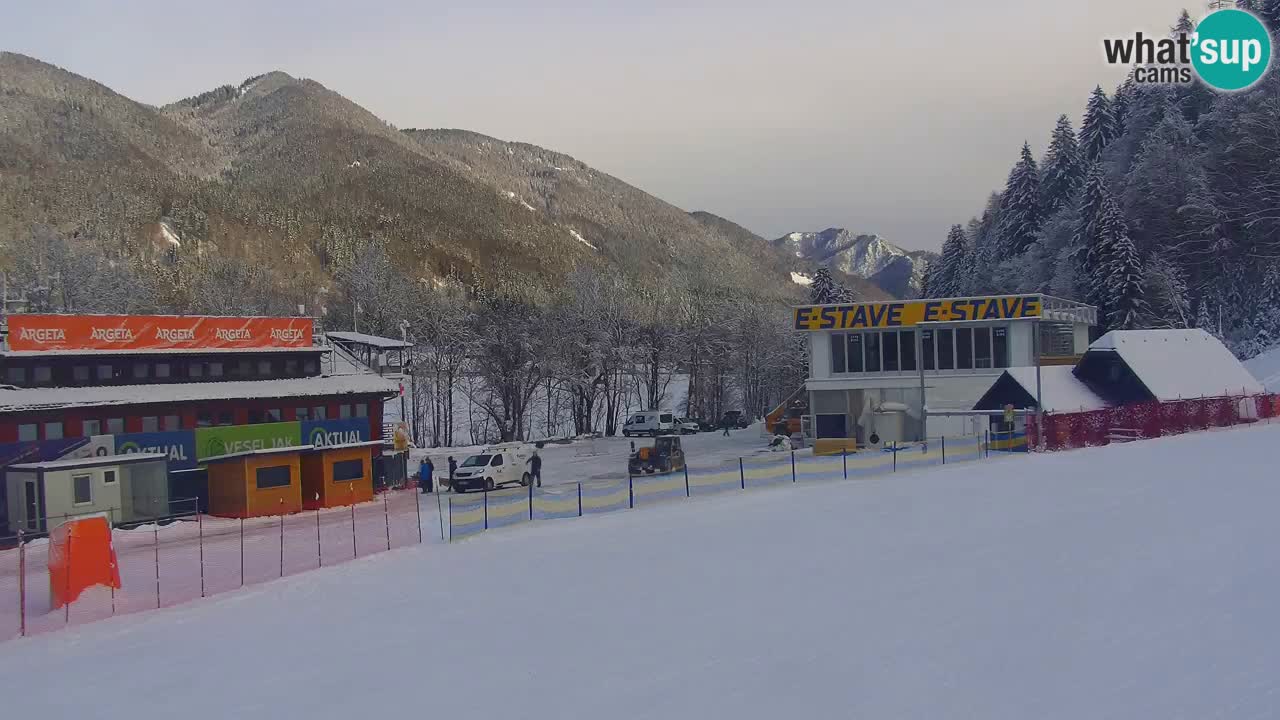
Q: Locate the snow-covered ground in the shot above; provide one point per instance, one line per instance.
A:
(1132, 581)
(1266, 368)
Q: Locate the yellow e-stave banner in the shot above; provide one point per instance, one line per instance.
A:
(908, 313)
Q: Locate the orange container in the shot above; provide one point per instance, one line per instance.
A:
(337, 476)
(256, 484)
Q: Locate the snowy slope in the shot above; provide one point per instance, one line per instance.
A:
(1133, 581)
(1266, 368)
(894, 269)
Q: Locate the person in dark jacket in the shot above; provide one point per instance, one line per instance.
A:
(725, 423)
(536, 463)
(453, 466)
(425, 473)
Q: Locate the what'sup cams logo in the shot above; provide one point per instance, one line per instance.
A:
(1229, 50)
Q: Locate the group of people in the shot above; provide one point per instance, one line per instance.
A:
(427, 471)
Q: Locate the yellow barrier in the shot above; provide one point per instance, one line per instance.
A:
(834, 446)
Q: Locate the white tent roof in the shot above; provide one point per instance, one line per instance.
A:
(1180, 364)
(363, 339)
(1266, 368)
(1061, 391)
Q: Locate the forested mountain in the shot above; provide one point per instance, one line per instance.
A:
(1163, 209)
(873, 259)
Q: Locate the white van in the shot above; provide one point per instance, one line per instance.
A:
(495, 466)
(653, 423)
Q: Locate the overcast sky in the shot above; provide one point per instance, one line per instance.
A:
(889, 117)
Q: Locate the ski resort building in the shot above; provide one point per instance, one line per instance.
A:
(190, 387)
(905, 370)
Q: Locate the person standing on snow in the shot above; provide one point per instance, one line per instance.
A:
(453, 466)
(425, 471)
(725, 423)
(536, 463)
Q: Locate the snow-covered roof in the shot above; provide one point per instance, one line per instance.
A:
(161, 351)
(1060, 390)
(1179, 364)
(259, 451)
(16, 399)
(92, 461)
(372, 340)
(1266, 368)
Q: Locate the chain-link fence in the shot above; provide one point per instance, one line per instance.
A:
(184, 557)
(474, 513)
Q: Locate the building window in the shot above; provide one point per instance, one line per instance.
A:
(291, 366)
(317, 412)
(172, 423)
(982, 347)
(80, 373)
(1000, 346)
(141, 371)
(908, 350)
(42, 374)
(204, 419)
(215, 369)
(16, 375)
(82, 488)
(91, 427)
(244, 368)
(195, 370)
(946, 349)
(310, 366)
(105, 372)
(28, 432)
(926, 349)
(344, 412)
(346, 470)
(274, 476)
(964, 348)
(108, 477)
(224, 418)
(854, 352)
(264, 368)
(115, 426)
(837, 354)
(872, 341)
(150, 423)
(162, 370)
(255, 416)
(889, 339)
(362, 410)
(53, 431)
(274, 415)
(300, 414)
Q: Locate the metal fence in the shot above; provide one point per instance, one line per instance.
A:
(185, 557)
(472, 514)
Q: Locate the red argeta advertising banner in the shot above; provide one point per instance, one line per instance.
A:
(155, 332)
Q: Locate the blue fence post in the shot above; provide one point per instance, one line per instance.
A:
(894, 448)
(686, 480)
(742, 474)
(944, 449)
(631, 493)
(441, 530)
(531, 499)
(988, 436)
(844, 461)
(579, 499)
(793, 466)
(486, 509)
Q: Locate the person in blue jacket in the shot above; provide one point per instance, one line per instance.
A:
(425, 471)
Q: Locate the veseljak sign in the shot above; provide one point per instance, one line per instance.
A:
(155, 332)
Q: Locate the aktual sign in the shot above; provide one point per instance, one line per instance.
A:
(179, 445)
(906, 313)
(327, 433)
(155, 332)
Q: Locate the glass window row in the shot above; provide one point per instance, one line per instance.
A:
(963, 348)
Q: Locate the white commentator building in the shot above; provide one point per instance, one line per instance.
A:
(868, 361)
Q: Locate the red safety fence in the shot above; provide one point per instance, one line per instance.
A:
(193, 556)
(1065, 431)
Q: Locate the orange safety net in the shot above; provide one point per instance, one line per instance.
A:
(80, 557)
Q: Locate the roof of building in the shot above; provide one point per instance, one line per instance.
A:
(1266, 368)
(1060, 391)
(1178, 364)
(91, 461)
(372, 340)
(362, 383)
(259, 451)
(160, 351)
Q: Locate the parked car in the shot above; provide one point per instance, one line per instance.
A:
(705, 425)
(735, 419)
(651, 423)
(497, 465)
(687, 426)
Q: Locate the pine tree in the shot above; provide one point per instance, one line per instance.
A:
(1122, 289)
(1083, 250)
(1184, 26)
(1020, 216)
(954, 262)
(1246, 5)
(1099, 126)
(1063, 171)
(1269, 10)
(1121, 102)
(822, 291)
